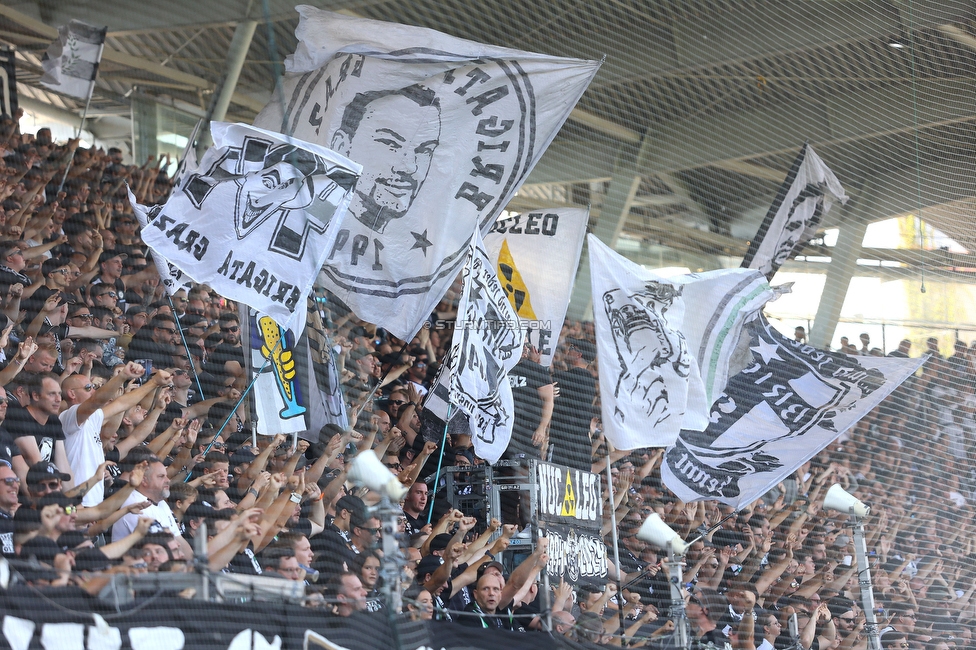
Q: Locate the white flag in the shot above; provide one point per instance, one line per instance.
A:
(806, 195)
(788, 404)
(252, 220)
(536, 255)
(171, 277)
(71, 62)
(488, 341)
(446, 130)
(664, 344)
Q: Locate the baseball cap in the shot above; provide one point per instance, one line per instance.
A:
(440, 542)
(44, 471)
(109, 254)
(427, 564)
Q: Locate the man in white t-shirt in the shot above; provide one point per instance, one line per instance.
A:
(84, 410)
(155, 490)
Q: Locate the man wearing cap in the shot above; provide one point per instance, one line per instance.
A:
(573, 409)
(12, 264)
(54, 271)
(87, 410)
(110, 274)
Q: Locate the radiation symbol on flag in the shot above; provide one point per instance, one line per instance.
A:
(569, 498)
(515, 289)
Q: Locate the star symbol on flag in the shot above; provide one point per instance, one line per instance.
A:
(475, 292)
(766, 349)
(420, 241)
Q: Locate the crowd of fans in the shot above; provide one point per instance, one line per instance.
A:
(124, 438)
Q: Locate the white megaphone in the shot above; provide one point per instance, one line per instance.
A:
(369, 471)
(657, 533)
(841, 500)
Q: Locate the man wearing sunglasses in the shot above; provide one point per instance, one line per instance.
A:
(9, 487)
(228, 358)
(87, 409)
(110, 275)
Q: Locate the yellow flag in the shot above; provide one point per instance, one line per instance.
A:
(515, 289)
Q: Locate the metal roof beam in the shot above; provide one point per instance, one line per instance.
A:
(128, 60)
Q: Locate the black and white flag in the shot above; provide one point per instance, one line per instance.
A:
(252, 220)
(446, 130)
(539, 285)
(791, 402)
(71, 62)
(488, 341)
(665, 344)
(807, 194)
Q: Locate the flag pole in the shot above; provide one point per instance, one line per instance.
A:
(84, 115)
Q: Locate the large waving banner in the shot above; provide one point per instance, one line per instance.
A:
(488, 341)
(788, 404)
(665, 344)
(446, 130)
(536, 255)
(251, 221)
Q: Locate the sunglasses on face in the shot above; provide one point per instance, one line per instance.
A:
(179, 373)
(235, 328)
(110, 294)
(70, 510)
(12, 480)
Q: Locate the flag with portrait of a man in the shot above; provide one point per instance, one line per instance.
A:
(446, 130)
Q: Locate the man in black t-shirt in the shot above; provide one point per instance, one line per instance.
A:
(37, 429)
(228, 358)
(573, 410)
(487, 594)
(532, 392)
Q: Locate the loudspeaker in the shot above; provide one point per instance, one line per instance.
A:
(369, 471)
(839, 499)
(657, 533)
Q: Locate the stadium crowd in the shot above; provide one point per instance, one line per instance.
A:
(124, 437)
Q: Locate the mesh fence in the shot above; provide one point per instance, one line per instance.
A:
(678, 149)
